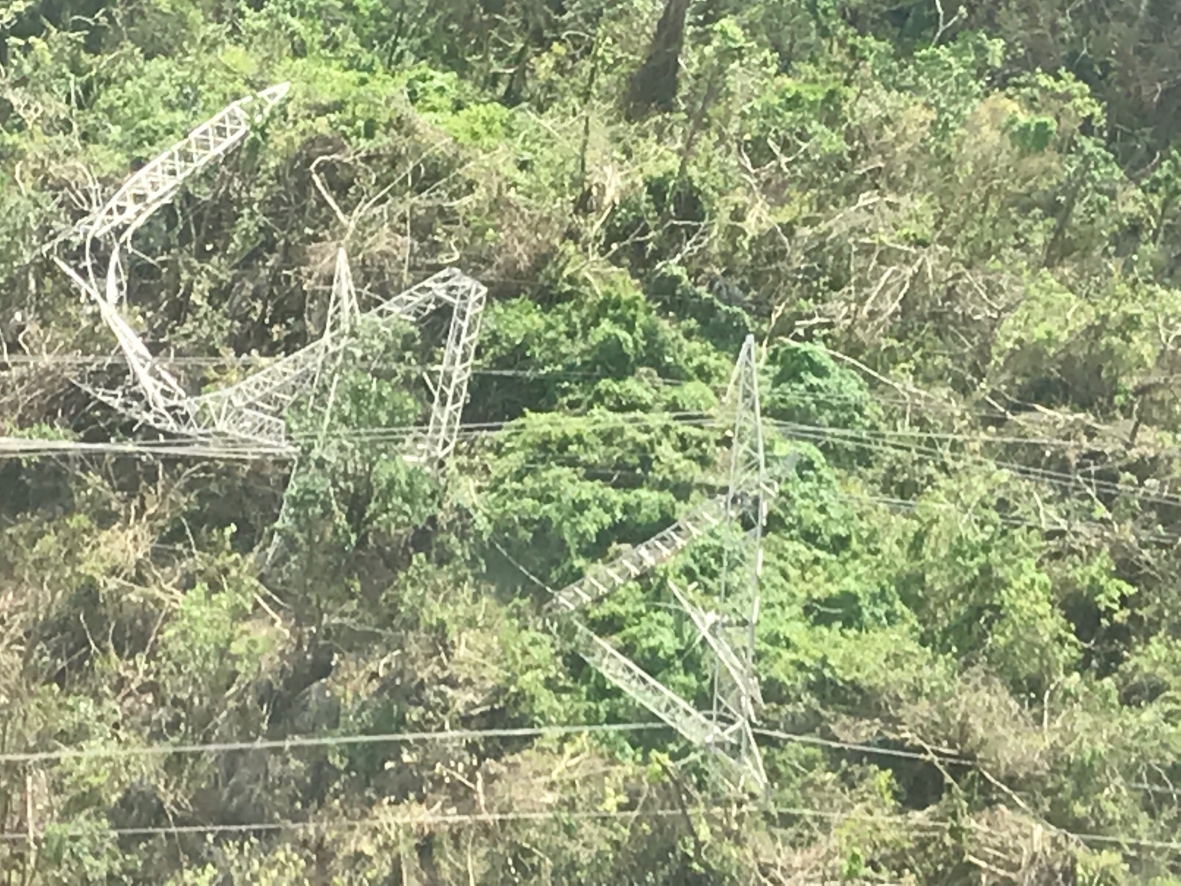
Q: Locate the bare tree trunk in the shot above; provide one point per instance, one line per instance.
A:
(654, 85)
(583, 201)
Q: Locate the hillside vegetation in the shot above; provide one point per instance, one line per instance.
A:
(953, 231)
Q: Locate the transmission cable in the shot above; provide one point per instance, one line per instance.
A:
(315, 741)
(1127, 843)
(1059, 478)
(462, 819)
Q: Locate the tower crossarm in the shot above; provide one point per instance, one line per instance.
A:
(153, 185)
(605, 578)
(447, 287)
(632, 680)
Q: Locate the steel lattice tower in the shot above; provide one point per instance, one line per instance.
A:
(728, 626)
(736, 687)
(251, 412)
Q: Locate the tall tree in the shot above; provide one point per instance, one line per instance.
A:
(654, 85)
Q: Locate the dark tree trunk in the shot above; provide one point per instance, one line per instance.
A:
(654, 85)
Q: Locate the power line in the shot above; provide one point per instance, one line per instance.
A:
(802, 396)
(313, 741)
(1057, 478)
(12, 447)
(944, 757)
(476, 734)
(33, 447)
(372, 821)
(27, 445)
(911, 505)
(873, 440)
(960, 437)
(863, 748)
(19, 447)
(95, 362)
(462, 819)
(828, 432)
(469, 819)
(252, 360)
(1123, 841)
(440, 736)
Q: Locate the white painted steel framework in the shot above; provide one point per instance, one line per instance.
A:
(736, 686)
(604, 578)
(157, 182)
(728, 627)
(252, 411)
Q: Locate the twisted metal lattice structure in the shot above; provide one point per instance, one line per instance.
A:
(252, 411)
(157, 182)
(728, 626)
(253, 408)
(732, 634)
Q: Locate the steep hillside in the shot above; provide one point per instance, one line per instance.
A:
(952, 233)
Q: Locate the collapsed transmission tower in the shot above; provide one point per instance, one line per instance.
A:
(251, 413)
(732, 636)
(727, 627)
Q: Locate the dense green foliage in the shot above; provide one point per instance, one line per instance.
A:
(953, 230)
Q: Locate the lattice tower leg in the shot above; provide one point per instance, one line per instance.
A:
(165, 399)
(327, 368)
(737, 698)
(343, 311)
(451, 390)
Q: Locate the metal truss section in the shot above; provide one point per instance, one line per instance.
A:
(633, 681)
(734, 745)
(152, 186)
(158, 386)
(254, 408)
(729, 631)
(343, 311)
(448, 287)
(603, 579)
(742, 564)
(252, 411)
(707, 624)
(168, 406)
(133, 408)
(451, 389)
